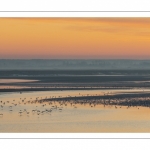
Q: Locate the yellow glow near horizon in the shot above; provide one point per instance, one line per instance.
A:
(74, 37)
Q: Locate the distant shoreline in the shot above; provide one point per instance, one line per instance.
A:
(54, 89)
(73, 64)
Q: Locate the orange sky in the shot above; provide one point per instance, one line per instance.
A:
(75, 38)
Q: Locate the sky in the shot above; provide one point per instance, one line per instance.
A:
(75, 38)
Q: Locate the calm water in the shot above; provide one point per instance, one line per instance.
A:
(20, 113)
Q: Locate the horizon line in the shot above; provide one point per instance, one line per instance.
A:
(74, 58)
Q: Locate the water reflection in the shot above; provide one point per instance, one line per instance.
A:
(15, 80)
(72, 111)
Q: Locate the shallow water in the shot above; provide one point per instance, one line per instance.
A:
(20, 113)
(15, 80)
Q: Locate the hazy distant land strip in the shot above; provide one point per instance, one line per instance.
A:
(62, 64)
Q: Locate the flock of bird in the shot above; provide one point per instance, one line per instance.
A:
(41, 106)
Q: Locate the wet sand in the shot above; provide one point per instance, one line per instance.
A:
(72, 116)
